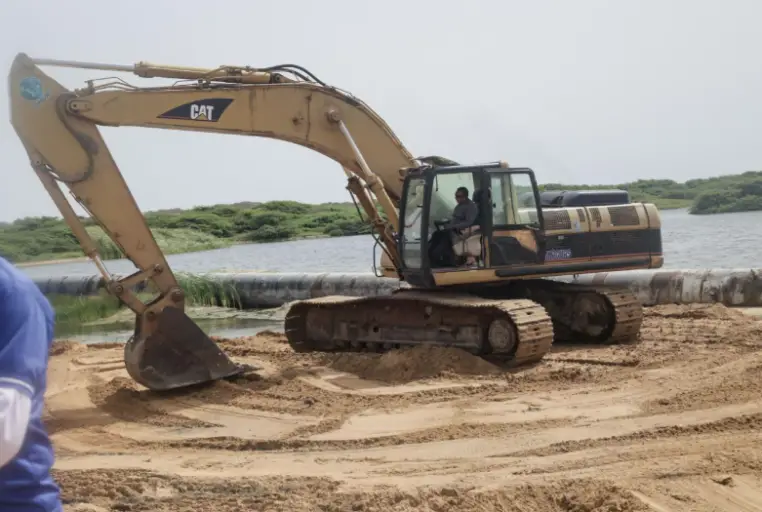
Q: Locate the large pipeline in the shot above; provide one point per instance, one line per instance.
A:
(251, 290)
(732, 287)
(272, 290)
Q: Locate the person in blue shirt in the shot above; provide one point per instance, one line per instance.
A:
(26, 454)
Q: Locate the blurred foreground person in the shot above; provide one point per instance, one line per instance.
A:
(26, 455)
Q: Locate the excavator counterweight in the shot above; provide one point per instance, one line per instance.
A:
(478, 280)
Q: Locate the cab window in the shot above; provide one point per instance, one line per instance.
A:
(443, 194)
(411, 238)
(513, 200)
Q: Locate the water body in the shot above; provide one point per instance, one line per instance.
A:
(732, 240)
(223, 327)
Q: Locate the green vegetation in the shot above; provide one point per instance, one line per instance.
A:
(722, 194)
(665, 194)
(72, 311)
(45, 238)
(180, 231)
(211, 227)
(739, 193)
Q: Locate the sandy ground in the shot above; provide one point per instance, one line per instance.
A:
(671, 423)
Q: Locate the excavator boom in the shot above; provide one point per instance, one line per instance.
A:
(58, 129)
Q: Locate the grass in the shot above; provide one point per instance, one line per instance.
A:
(37, 239)
(74, 311)
(719, 194)
(171, 241)
(40, 239)
(201, 290)
(211, 227)
(669, 204)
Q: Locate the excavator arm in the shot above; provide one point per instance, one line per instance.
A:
(58, 129)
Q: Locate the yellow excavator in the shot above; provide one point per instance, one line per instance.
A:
(482, 286)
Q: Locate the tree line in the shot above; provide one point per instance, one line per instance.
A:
(211, 227)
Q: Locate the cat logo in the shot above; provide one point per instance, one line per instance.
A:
(208, 111)
(202, 112)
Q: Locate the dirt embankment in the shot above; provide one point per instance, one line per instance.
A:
(668, 424)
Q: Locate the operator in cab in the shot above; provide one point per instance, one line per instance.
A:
(463, 224)
(465, 213)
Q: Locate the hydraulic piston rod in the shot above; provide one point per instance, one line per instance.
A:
(233, 74)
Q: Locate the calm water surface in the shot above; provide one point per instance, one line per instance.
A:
(225, 328)
(690, 241)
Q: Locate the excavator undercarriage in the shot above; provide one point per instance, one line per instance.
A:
(519, 331)
(582, 314)
(517, 323)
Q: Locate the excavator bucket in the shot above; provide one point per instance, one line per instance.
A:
(176, 354)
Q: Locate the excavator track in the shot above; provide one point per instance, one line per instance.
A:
(580, 313)
(628, 315)
(517, 332)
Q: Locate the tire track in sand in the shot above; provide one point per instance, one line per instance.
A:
(669, 423)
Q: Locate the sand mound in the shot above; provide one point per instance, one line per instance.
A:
(408, 364)
(277, 337)
(65, 346)
(698, 311)
(122, 399)
(148, 491)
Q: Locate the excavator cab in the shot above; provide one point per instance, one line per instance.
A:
(508, 229)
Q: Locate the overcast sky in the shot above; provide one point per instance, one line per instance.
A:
(581, 91)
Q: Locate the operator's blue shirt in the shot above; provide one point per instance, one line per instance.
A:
(26, 333)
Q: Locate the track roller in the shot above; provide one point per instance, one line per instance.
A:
(585, 314)
(519, 331)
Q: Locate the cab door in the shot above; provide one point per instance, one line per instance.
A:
(429, 197)
(517, 225)
(413, 234)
